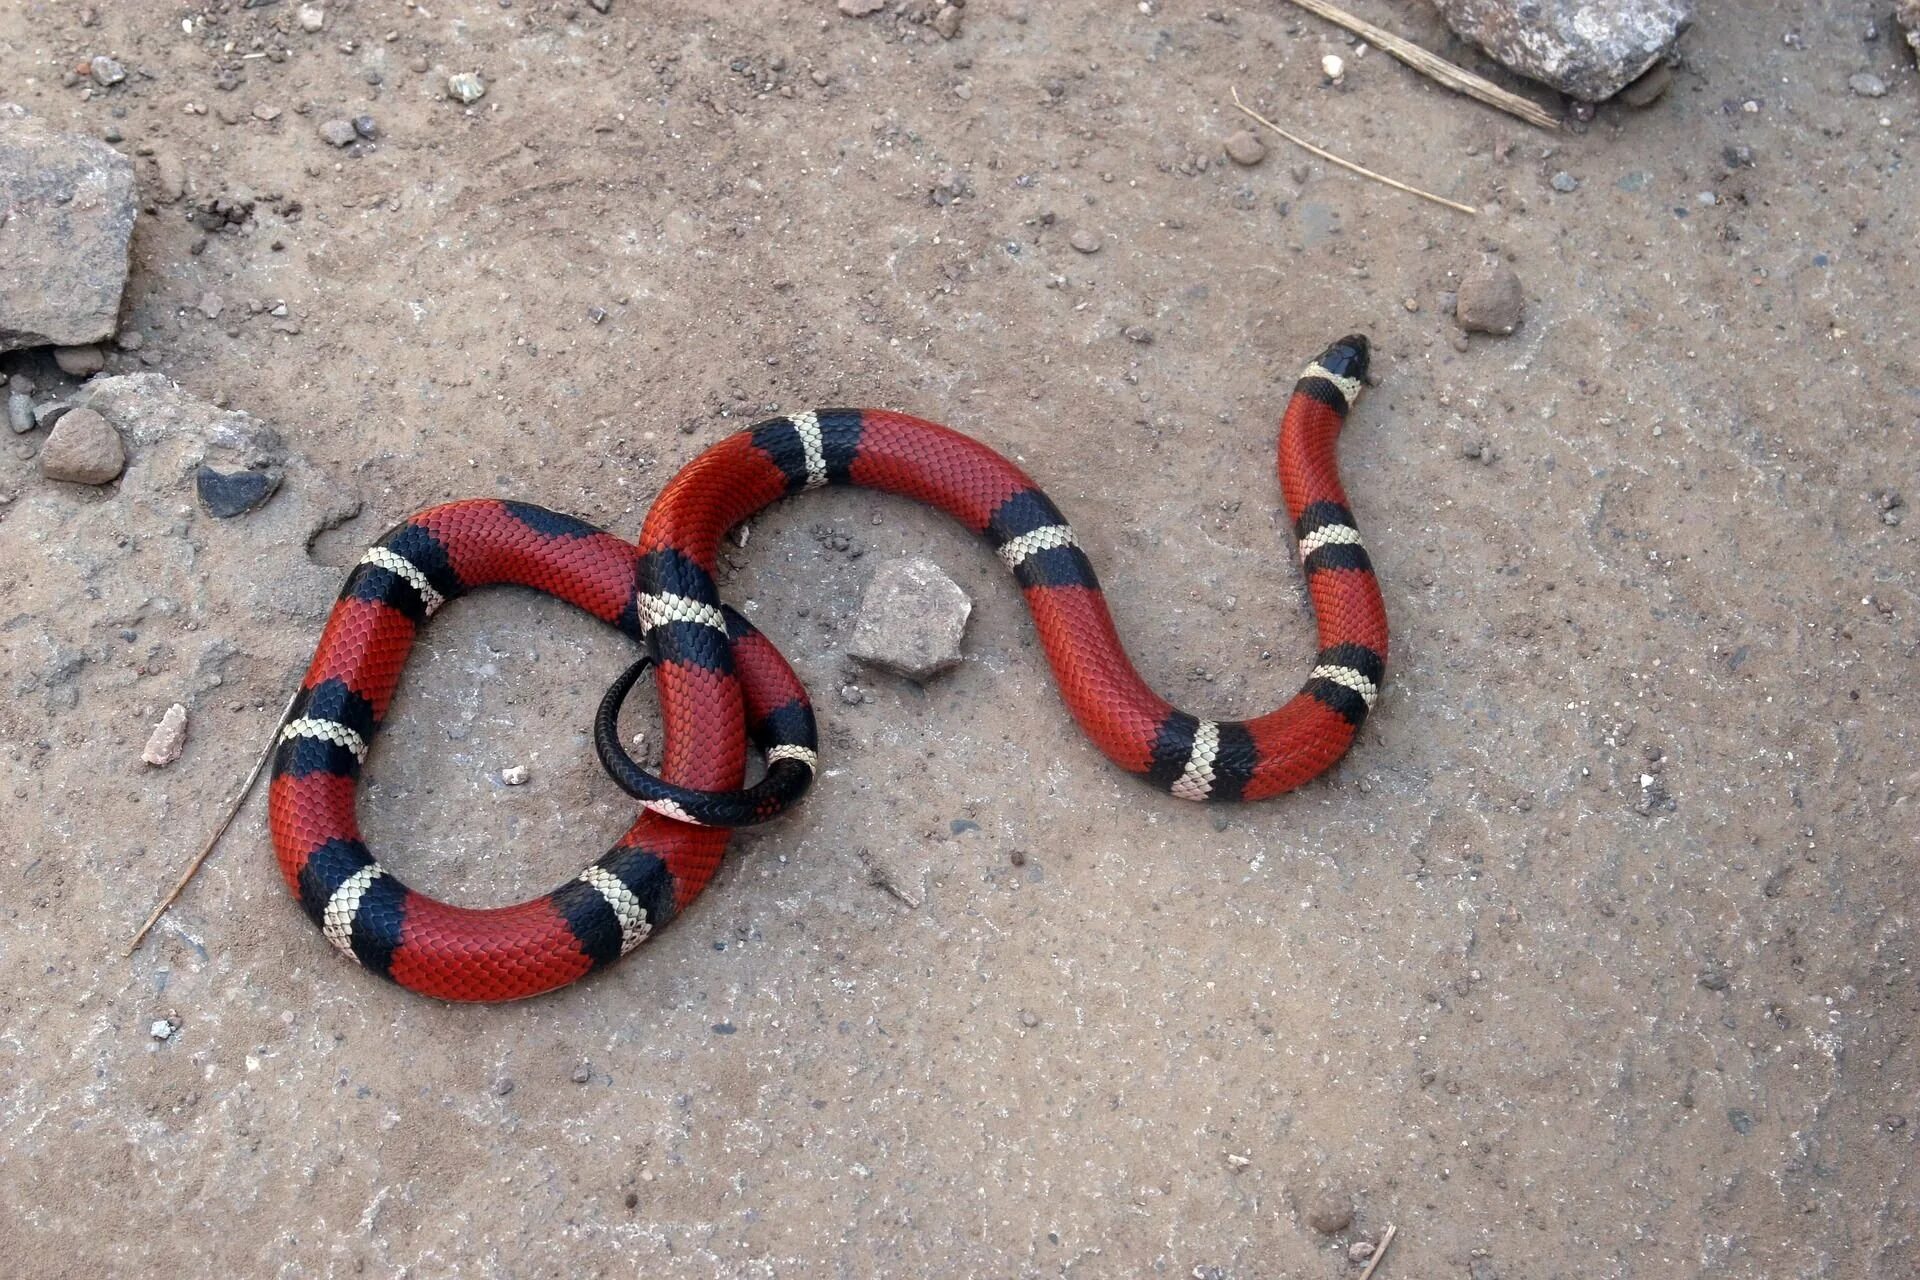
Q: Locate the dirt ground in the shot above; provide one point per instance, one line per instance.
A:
(1595, 958)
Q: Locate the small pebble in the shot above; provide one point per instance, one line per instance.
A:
(861, 8)
(1029, 1019)
(1564, 182)
(1085, 241)
(1867, 85)
(366, 127)
(337, 133)
(582, 1074)
(1333, 67)
(20, 413)
(466, 87)
(108, 72)
(1359, 1251)
(515, 775)
(1245, 148)
(162, 1029)
(168, 739)
(312, 17)
(947, 21)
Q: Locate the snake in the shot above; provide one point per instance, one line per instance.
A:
(722, 684)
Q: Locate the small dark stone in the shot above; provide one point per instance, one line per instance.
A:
(1741, 1119)
(234, 493)
(724, 1028)
(366, 127)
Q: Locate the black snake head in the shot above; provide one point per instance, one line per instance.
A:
(1347, 358)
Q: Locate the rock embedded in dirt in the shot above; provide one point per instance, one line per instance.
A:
(79, 362)
(1330, 1210)
(911, 621)
(339, 133)
(226, 494)
(67, 203)
(1245, 148)
(1649, 88)
(168, 739)
(861, 8)
(1085, 241)
(83, 448)
(1489, 299)
(1867, 85)
(1585, 50)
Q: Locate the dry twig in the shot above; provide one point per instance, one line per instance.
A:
(1430, 64)
(1378, 1253)
(1348, 164)
(233, 811)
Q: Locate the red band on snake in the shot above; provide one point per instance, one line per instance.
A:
(717, 677)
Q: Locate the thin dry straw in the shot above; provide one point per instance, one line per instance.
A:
(1348, 164)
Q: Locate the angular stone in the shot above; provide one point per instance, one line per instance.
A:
(84, 449)
(226, 494)
(168, 739)
(66, 215)
(1585, 50)
(1490, 299)
(1907, 14)
(912, 619)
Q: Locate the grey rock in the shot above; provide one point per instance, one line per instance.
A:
(106, 71)
(66, 215)
(1867, 85)
(466, 87)
(1085, 241)
(48, 412)
(1588, 51)
(226, 494)
(79, 362)
(20, 413)
(84, 449)
(339, 133)
(1489, 299)
(861, 8)
(947, 21)
(911, 621)
(1906, 13)
(1564, 182)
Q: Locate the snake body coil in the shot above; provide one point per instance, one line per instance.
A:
(719, 680)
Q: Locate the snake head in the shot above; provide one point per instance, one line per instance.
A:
(1347, 358)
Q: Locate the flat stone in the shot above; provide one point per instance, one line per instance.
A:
(1489, 299)
(1085, 241)
(861, 8)
(226, 494)
(84, 449)
(168, 739)
(912, 619)
(67, 206)
(1867, 85)
(1585, 50)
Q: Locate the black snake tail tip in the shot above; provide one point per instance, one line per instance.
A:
(620, 766)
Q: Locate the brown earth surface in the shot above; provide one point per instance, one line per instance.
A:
(1595, 958)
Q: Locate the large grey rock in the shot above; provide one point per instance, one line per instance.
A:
(1588, 49)
(912, 619)
(66, 216)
